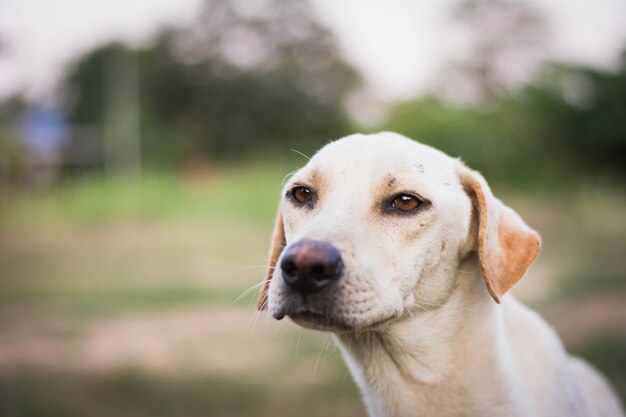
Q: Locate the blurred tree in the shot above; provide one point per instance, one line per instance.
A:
(122, 133)
(580, 113)
(566, 119)
(491, 138)
(570, 121)
(12, 150)
(504, 41)
(245, 77)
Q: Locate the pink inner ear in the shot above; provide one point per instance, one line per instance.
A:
(506, 245)
(506, 254)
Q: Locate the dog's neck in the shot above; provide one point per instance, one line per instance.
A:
(422, 365)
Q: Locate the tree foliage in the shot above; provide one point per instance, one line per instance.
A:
(237, 81)
(570, 121)
(504, 40)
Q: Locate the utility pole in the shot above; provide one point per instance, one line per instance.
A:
(122, 128)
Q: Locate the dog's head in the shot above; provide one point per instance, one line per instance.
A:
(376, 223)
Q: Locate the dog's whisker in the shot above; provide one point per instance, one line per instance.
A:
(333, 349)
(295, 355)
(280, 326)
(287, 176)
(286, 328)
(326, 353)
(345, 376)
(257, 267)
(318, 359)
(256, 318)
(264, 305)
(249, 290)
(300, 153)
(251, 320)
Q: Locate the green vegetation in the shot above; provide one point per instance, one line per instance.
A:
(569, 124)
(96, 240)
(123, 296)
(132, 393)
(245, 192)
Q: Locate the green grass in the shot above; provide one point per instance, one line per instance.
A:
(89, 255)
(133, 393)
(119, 268)
(120, 300)
(151, 242)
(235, 193)
(589, 284)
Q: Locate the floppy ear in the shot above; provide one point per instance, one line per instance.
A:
(506, 245)
(277, 245)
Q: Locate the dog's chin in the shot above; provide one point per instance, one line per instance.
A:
(327, 323)
(322, 322)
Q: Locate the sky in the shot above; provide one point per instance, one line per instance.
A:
(399, 45)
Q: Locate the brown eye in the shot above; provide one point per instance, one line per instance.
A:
(405, 202)
(302, 194)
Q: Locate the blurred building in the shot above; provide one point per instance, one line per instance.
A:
(45, 133)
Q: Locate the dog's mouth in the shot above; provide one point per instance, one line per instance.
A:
(318, 321)
(324, 322)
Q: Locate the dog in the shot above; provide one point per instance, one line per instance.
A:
(405, 255)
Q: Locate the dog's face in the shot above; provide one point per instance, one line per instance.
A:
(362, 224)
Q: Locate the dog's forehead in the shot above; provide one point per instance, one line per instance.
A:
(379, 157)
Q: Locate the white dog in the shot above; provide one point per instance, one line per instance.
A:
(405, 255)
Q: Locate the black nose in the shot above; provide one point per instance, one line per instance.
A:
(310, 265)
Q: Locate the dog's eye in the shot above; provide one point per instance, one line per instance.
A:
(302, 194)
(405, 202)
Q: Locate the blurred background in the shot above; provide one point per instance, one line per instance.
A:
(142, 148)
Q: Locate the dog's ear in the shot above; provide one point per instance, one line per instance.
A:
(506, 245)
(277, 244)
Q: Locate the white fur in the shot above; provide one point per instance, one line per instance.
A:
(411, 313)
